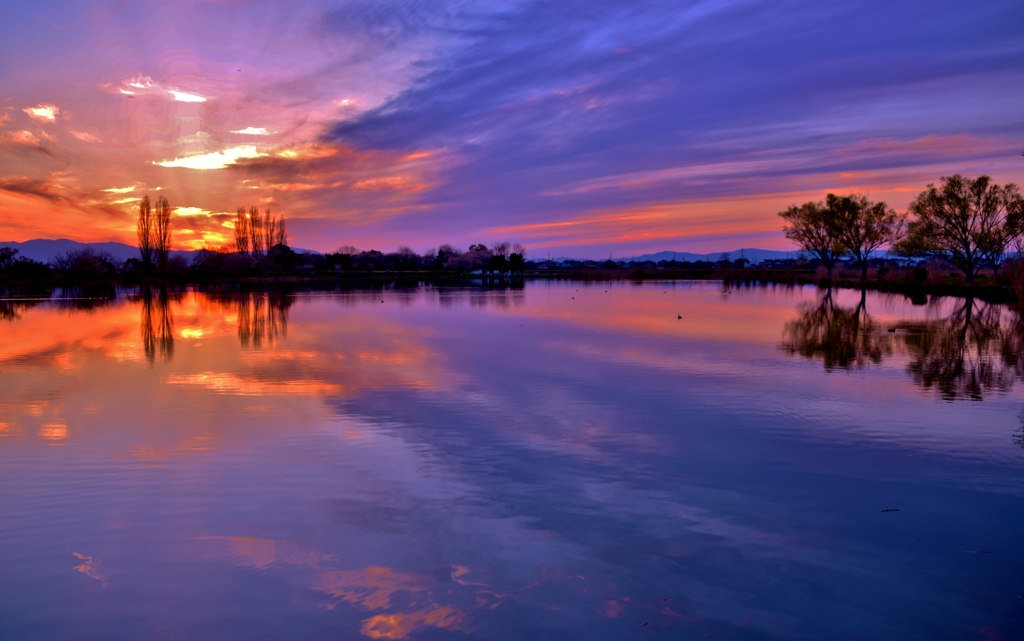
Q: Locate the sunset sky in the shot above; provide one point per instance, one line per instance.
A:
(576, 128)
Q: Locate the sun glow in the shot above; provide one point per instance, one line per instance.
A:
(252, 131)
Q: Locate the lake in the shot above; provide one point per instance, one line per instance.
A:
(553, 460)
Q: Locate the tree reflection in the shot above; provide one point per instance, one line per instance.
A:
(966, 355)
(157, 325)
(262, 317)
(11, 309)
(841, 338)
(976, 349)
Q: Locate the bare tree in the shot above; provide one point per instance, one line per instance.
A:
(813, 227)
(500, 249)
(256, 230)
(968, 222)
(162, 230)
(863, 226)
(241, 231)
(144, 230)
(281, 233)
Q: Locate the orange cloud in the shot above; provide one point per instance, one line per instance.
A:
(24, 137)
(630, 225)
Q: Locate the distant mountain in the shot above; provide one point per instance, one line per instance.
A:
(44, 250)
(753, 255)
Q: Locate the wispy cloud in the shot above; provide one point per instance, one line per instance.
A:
(533, 118)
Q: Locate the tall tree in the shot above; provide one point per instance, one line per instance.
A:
(969, 223)
(162, 230)
(281, 232)
(812, 226)
(863, 226)
(241, 231)
(144, 230)
(256, 230)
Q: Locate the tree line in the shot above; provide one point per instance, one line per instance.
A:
(256, 234)
(972, 224)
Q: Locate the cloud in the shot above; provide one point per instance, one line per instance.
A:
(45, 113)
(182, 96)
(85, 136)
(24, 137)
(252, 131)
(144, 86)
(551, 111)
(213, 160)
(29, 187)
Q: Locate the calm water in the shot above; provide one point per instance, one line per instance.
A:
(663, 461)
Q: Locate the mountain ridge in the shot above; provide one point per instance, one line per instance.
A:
(44, 249)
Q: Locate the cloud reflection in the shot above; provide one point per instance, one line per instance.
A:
(371, 588)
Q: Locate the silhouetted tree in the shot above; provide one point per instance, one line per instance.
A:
(20, 268)
(162, 230)
(256, 231)
(967, 222)
(517, 259)
(242, 240)
(281, 233)
(144, 231)
(813, 227)
(863, 226)
(84, 264)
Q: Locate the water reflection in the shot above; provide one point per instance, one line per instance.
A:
(156, 324)
(555, 462)
(402, 601)
(840, 338)
(12, 309)
(970, 351)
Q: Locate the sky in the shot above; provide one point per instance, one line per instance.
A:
(605, 127)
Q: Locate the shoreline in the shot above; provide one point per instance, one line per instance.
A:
(989, 289)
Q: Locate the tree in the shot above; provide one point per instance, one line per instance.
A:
(162, 230)
(281, 233)
(517, 259)
(969, 223)
(256, 231)
(813, 227)
(863, 226)
(144, 231)
(241, 231)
